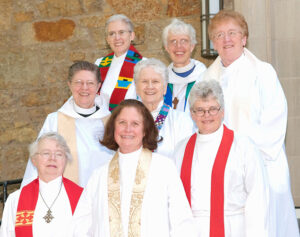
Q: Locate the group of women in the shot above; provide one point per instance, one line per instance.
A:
(199, 155)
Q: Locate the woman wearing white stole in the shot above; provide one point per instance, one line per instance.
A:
(81, 122)
(132, 195)
(46, 205)
(222, 172)
(255, 105)
(151, 79)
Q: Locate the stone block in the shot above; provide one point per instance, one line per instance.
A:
(23, 16)
(293, 136)
(59, 8)
(54, 31)
(27, 34)
(291, 87)
(93, 21)
(77, 56)
(6, 8)
(178, 8)
(142, 10)
(93, 5)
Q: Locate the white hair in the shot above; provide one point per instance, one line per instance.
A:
(120, 17)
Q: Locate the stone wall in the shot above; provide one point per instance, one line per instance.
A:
(40, 39)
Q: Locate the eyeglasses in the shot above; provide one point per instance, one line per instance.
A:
(211, 111)
(120, 33)
(183, 42)
(231, 34)
(48, 154)
(80, 83)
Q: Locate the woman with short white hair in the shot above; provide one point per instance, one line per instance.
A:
(46, 205)
(179, 39)
(151, 79)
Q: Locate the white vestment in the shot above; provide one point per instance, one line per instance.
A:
(255, 105)
(61, 210)
(180, 83)
(165, 209)
(89, 130)
(111, 80)
(246, 209)
(177, 126)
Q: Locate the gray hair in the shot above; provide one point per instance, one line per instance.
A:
(179, 27)
(84, 66)
(157, 65)
(205, 89)
(119, 17)
(33, 147)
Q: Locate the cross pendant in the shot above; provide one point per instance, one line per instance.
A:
(175, 102)
(48, 217)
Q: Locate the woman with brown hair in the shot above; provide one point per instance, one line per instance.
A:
(138, 193)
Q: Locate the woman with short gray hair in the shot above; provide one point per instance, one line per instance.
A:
(222, 172)
(151, 79)
(45, 206)
(179, 40)
(116, 68)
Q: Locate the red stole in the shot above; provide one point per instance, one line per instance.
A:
(217, 180)
(125, 77)
(27, 203)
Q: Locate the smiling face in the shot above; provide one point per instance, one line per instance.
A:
(207, 123)
(119, 37)
(50, 160)
(230, 47)
(180, 48)
(84, 87)
(150, 87)
(129, 130)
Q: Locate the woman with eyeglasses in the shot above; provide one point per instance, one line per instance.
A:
(222, 172)
(116, 68)
(255, 106)
(45, 206)
(81, 122)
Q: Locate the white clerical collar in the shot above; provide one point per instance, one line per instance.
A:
(50, 187)
(211, 136)
(135, 153)
(80, 110)
(184, 68)
(158, 108)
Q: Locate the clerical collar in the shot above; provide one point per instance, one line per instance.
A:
(85, 112)
(184, 69)
(131, 154)
(211, 136)
(155, 112)
(51, 185)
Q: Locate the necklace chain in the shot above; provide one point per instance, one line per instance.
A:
(48, 217)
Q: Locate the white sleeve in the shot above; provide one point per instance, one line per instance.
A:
(257, 188)
(180, 214)
(269, 131)
(9, 215)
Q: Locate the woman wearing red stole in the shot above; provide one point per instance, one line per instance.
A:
(45, 206)
(117, 67)
(222, 172)
(138, 193)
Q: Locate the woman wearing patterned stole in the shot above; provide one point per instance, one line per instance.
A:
(151, 79)
(117, 67)
(81, 122)
(46, 205)
(222, 172)
(132, 196)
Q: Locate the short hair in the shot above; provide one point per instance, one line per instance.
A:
(151, 133)
(157, 65)
(84, 66)
(225, 15)
(205, 89)
(177, 27)
(33, 147)
(119, 17)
